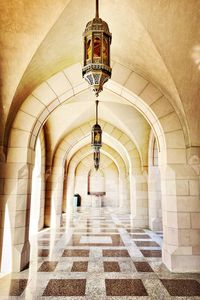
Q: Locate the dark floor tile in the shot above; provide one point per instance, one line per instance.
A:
(43, 243)
(43, 252)
(111, 266)
(151, 253)
(61, 230)
(135, 230)
(65, 287)
(140, 236)
(82, 230)
(48, 266)
(115, 253)
(109, 231)
(182, 287)
(75, 253)
(17, 287)
(116, 240)
(143, 266)
(146, 244)
(79, 266)
(120, 226)
(107, 226)
(125, 287)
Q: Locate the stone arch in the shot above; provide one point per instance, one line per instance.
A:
(138, 184)
(79, 155)
(169, 129)
(83, 168)
(144, 96)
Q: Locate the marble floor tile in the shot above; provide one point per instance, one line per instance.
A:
(65, 287)
(48, 266)
(182, 287)
(79, 266)
(95, 287)
(96, 266)
(151, 253)
(125, 287)
(78, 252)
(127, 267)
(111, 266)
(146, 244)
(65, 266)
(140, 236)
(98, 254)
(143, 266)
(43, 252)
(116, 253)
(135, 230)
(96, 239)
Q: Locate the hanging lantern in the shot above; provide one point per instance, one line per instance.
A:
(97, 40)
(96, 134)
(96, 159)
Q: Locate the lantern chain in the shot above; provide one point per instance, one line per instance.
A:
(97, 9)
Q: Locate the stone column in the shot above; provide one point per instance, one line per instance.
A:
(70, 190)
(64, 203)
(15, 210)
(181, 215)
(139, 207)
(154, 196)
(124, 200)
(57, 179)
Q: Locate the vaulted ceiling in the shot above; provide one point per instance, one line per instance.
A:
(157, 39)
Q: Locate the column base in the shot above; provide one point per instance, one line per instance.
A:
(139, 222)
(181, 263)
(18, 260)
(155, 224)
(96, 201)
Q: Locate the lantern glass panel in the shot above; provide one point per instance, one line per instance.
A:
(105, 50)
(97, 47)
(97, 138)
(89, 49)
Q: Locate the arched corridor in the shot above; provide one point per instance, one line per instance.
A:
(134, 223)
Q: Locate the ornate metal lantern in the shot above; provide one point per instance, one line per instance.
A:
(96, 139)
(96, 136)
(96, 159)
(97, 40)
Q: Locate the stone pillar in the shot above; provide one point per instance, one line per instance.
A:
(15, 210)
(124, 200)
(181, 215)
(64, 202)
(96, 201)
(57, 196)
(70, 190)
(139, 207)
(47, 208)
(154, 196)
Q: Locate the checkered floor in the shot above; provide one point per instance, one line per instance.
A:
(98, 255)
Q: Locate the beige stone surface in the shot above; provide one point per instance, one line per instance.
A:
(153, 95)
